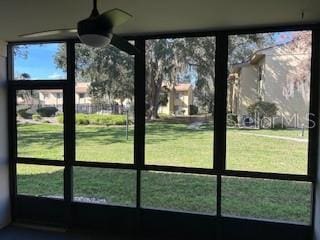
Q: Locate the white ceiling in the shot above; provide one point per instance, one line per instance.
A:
(154, 16)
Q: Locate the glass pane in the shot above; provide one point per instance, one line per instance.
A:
(105, 186)
(39, 61)
(176, 191)
(268, 102)
(104, 104)
(40, 181)
(179, 101)
(267, 199)
(40, 124)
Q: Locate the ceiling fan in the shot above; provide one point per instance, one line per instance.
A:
(96, 30)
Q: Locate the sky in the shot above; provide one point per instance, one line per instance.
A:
(39, 63)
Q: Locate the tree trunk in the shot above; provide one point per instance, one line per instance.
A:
(155, 88)
(155, 102)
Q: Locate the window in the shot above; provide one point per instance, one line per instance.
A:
(288, 201)
(180, 192)
(179, 129)
(100, 159)
(105, 120)
(269, 134)
(260, 82)
(39, 61)
(39, 124)
(105, 186)
(40, 181)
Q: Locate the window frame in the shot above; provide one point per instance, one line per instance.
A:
(68, 86)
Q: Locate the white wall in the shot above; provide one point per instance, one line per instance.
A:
(248, 88)
(4, 168)
(282, 66)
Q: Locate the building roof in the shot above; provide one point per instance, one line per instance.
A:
(181, 87)
(255, 57)
(82, 87)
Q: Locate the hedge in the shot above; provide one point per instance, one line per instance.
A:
(95, 119)
(47, 111)
(24, 113)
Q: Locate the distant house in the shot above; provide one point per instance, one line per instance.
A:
(83, 100)
(55, 97)
(50, 97)
(272, 75)
(180, 97)
(82, 93)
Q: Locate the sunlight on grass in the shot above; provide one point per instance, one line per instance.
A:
(258, 153)
(173, 145)
(268, 199)
(39, 180)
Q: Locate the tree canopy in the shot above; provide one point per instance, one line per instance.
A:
(109, 71)
(168, 62)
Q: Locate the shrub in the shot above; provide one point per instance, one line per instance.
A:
(36, 117)
(24, 113)
(47, 111)
(82, 119)
(261, 110)
(232, 119)
(107, 119)
(193, 110)
(95, 119)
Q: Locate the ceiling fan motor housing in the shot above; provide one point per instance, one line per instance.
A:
(95, 31)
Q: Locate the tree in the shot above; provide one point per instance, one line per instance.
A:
(202, 52)
(164, 96)
(298, 77)
(168, 62)
(173, 60)
(164, 63)
(109, 71)
(27, 95)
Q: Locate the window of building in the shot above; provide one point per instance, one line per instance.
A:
(59, 95)
(260, 81)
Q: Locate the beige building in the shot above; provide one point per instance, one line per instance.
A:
(277, 74)
(55, 97)
(180, 97)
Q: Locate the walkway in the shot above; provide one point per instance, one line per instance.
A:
(277, 137)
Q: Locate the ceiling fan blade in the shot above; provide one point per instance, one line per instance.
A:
(116, 16)
(124, 45)
(48, 33)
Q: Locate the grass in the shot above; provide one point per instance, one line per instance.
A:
(175, 145)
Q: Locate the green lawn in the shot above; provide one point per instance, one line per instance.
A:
(176, 145)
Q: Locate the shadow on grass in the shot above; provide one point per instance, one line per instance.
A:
(45, 134)
(52, 135)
